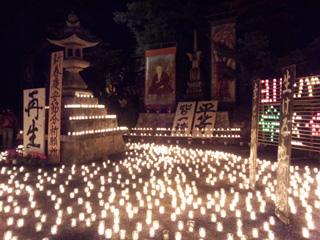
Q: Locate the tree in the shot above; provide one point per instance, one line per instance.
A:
(254, 57)
(162, 20)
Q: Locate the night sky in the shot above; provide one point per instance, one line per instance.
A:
(25, 25)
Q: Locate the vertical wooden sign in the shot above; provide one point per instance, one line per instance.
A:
(284, 145)
(54, 119)
(254, 134)
(205, 118)
(183, 118)
(34, 101)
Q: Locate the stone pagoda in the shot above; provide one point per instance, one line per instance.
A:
(87, 132)
(195, 85)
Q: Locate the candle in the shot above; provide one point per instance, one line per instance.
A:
(54, 229)
(122, 234)
(108, 233)
(151, 232)
(180, 225)
(139, 226)
(38, 226)
(156, 224)
(202, 232)
(178, 236)
(135, 235)
(73, 222)
(255, 232)
(165, 234)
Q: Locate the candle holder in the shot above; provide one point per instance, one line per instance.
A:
(165, 234)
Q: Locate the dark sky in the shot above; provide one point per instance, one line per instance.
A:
(25, 25)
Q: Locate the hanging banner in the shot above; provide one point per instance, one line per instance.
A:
(160, 83)
(254, 134)
(284, 146)
(205, 118)
(183, 119)
(34, 101)
(54, 119)
(223, 84)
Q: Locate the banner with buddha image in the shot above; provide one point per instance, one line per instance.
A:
(160, 78)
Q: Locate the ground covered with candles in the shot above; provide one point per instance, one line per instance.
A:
(156, 192)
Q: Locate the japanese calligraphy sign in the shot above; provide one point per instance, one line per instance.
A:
(34, 120)
(54, 119)
(284, 145)
(183, 119)
(205, 118)
(254, 134)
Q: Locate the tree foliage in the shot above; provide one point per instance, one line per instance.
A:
(254, 57)
(161, 20)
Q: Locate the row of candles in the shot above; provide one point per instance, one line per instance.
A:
(84, 106)
(171, 129)
(104, 130)
(82, 117)
(137, 196)
(84, 95)
(186, 135)
(161, 132)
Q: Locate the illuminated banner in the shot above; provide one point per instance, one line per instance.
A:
(254, 134)
(160, 83)
(54, 119)
(223, 83)
(306, 113)
(34, 120)
(284, 147)
(205, 118)
(183, 119)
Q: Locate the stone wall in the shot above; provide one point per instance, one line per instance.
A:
(79, 149)
(165, 120)
(155, 120)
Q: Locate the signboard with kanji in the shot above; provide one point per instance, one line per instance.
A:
(284, 144)
(183, 119)
(205, 118)
(34, 120)
(54, 119)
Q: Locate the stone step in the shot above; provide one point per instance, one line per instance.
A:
(79, 100)
(73, 112)
(86, 125)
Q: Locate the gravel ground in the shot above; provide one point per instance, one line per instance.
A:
(202, 190)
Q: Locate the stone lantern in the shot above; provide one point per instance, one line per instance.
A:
(73, 43)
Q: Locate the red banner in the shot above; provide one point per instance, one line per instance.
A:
(223, 83)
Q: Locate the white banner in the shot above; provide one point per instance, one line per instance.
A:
(34, 101)
(205, 118)
(183, 119)
(54, 119)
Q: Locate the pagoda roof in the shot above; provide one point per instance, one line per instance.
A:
(73, 40)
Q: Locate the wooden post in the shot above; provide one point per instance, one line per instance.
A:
(54, 120)
(254, 134)
(284, 145)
